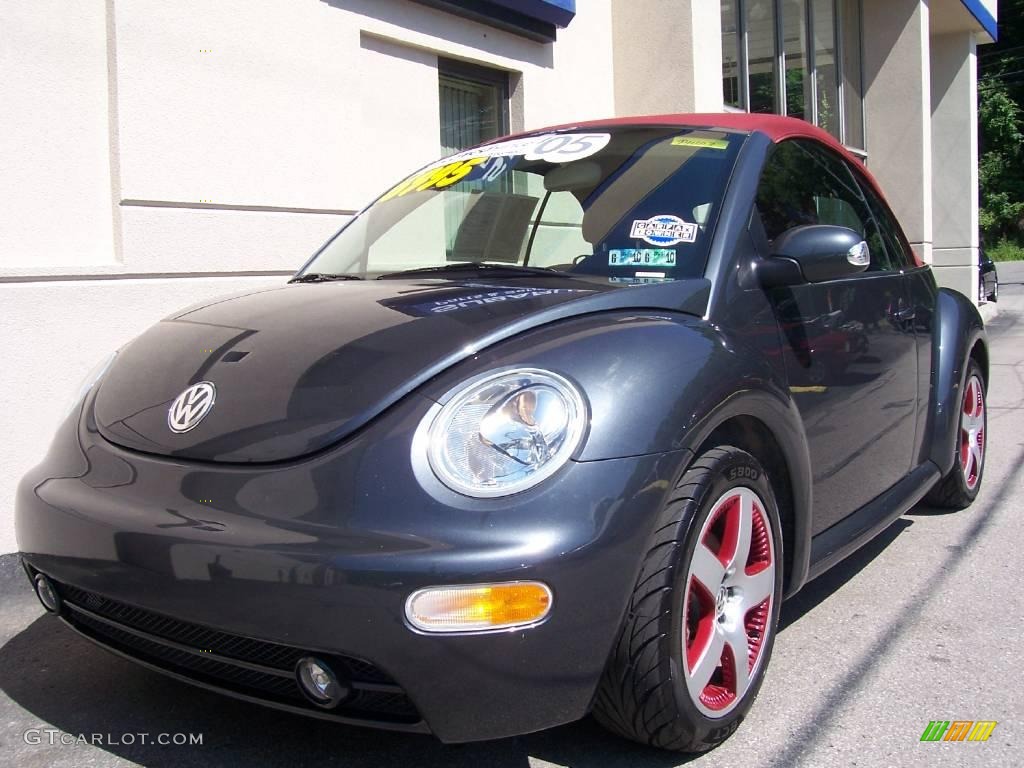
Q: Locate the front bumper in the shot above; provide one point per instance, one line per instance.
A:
(234, 565)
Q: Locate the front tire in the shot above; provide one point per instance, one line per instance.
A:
(960, 486)
(700, 626)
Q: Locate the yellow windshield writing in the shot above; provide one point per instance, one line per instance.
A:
(435, 178)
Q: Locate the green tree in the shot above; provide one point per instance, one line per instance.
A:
(1000, 100)
(1000, 167)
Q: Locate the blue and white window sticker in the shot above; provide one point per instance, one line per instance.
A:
(664, 230)
(642, 257)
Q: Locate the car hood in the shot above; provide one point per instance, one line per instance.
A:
(300, 366)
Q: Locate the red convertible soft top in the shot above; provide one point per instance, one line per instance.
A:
(775, 127)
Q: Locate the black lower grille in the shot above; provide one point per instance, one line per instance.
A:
(240, 664)
(206, 668)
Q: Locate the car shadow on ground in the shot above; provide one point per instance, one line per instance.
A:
(816, 592)
(65, 682)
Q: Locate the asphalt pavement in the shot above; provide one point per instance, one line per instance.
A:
(926, 623)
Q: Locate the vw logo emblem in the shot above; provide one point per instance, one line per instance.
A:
(191, 406)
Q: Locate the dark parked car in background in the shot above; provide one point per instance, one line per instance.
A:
(988, 278)
(553, 427)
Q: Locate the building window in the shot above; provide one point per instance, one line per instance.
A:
(731, 38)
(474, 108)
(474, 104)
(759, 37)
(796, 57)
(852, 95)
(826, 80)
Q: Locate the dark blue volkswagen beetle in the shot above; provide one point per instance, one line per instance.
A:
(552, 427)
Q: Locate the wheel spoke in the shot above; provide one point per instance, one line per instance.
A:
(736, 638)
(741, 530)
(757, 587)
(707, 662)
(975, 459)
(970, 398)
(707, 569)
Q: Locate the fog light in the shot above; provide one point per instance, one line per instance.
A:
(319, 682)
(47, 594)
(478, 607)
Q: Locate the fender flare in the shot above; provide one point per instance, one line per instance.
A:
(779, 415)
(956, 328)
(619, 360)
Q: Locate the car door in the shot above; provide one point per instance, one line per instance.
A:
(848, 345)
(921, 292)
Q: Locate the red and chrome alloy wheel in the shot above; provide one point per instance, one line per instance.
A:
(699, 628)
(730, 589)
(972, 432)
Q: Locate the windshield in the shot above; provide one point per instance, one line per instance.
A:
(630, 204)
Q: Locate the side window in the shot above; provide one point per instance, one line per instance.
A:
(900, 253)
(803, 183)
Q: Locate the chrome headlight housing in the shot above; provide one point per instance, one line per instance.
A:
(505, 432)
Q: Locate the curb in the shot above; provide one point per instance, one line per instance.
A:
(989, 311)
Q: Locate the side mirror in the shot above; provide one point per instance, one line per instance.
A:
(814, 254)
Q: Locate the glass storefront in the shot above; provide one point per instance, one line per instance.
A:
(826, 80)
(796, 57)
(731, 39)
(758, 50)
(851, 75)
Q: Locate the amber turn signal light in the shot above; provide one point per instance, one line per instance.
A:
(478, 607)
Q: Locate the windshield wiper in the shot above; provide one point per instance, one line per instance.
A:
(321, 277)
(473, 266)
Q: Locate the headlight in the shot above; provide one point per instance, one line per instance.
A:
(87, 383)
(506, 432)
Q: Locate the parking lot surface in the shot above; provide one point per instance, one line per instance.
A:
(925, 623)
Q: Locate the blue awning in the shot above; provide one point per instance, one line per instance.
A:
(536, 19)
(557, 12)
(978, 10)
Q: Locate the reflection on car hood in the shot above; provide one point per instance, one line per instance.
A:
(299, 367)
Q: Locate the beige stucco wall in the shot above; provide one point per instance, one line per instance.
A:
(920, 69)
(154, 143)
(667, 55)
(897, 100)
(954, 190)
(55, 181)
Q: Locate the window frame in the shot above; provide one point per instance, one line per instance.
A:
(885, 218)
(480, 75)
(894, 263)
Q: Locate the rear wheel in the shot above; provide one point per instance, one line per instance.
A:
(960, 487)
(698, 635)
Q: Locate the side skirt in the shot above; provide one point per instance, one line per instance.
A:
(854, 531)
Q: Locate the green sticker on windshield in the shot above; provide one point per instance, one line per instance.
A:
(695, 141)
(642, 257)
